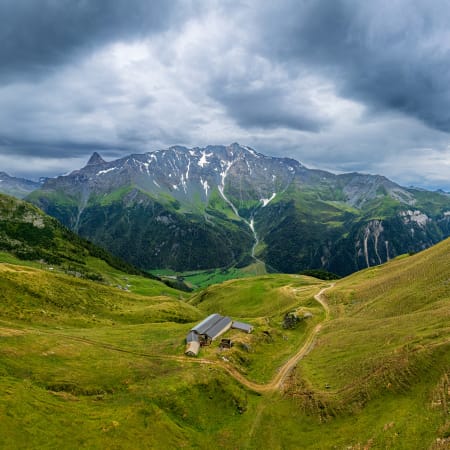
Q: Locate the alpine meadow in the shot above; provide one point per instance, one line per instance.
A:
(224, 225)
(367, 360)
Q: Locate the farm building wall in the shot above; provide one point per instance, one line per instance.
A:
(192, 336)
(192, 348)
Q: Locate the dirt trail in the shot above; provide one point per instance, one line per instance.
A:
(274, 385)
(283, 372)
(277, 382)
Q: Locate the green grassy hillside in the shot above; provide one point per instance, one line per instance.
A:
(153, 231)
(263, 302)
(29, 234)
(372, 371)
(52, 299)
(378, 376)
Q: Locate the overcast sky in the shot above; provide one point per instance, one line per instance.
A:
(342, 85)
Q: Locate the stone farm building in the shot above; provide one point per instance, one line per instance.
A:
(210, 329)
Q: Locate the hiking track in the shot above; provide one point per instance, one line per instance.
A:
(275, 384)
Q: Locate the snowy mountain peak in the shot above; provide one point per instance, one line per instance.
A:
(234, 172)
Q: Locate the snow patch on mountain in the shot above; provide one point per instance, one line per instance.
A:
(250, 150)
(183, 183)
(205, 185)
(187, 169)
(102, 172)
(204, 159)
(248, 167)
(266, 201)
(223, 176)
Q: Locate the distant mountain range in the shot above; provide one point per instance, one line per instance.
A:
(18, 187)
(220, 206)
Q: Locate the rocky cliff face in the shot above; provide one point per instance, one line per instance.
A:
(223, 205)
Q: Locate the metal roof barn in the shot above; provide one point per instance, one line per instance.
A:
(192, 337)
(242, 326)
(220, 327)
(207, 323)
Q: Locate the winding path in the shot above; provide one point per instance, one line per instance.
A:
(275, 384)
(285, 369)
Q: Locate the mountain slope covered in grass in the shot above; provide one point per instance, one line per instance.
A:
(374, 372)
(27, 234)
(378, 375)
(219, 206)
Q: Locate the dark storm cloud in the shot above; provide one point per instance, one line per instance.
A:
(52, 149)
(267, 107)
(390, 55)
(336, 84)
(36, 35)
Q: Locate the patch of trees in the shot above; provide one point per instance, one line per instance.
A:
(320, 274)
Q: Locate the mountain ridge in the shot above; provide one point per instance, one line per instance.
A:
(17, 187)
(164, 208)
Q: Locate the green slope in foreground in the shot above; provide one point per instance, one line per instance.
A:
(84, 365)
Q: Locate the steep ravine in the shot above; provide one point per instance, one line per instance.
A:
(250, 223)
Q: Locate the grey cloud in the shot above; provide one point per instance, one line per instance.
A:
(272, 75)
(403, 149)
(36, 35)
(389, 55)
(51, 149)
(266, 107)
